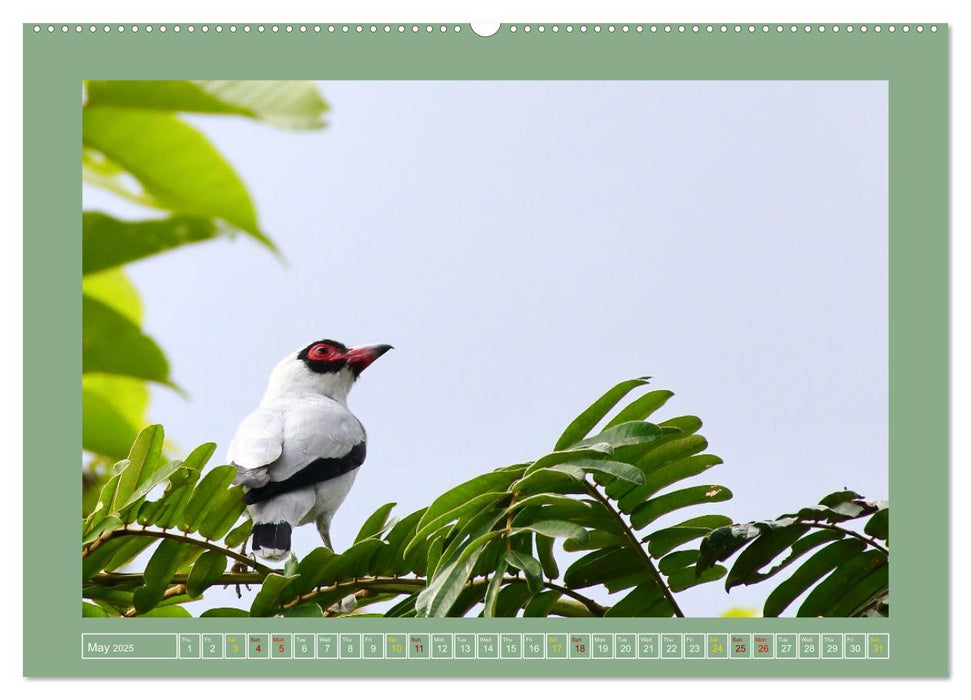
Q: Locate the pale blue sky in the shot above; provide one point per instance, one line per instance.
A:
(524, 246)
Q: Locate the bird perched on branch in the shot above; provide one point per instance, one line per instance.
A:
(298, 453)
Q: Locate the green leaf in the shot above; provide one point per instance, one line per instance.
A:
(619, 470)
(604, 566)
(206, 571)
(176, 166)
(109, 242)
(553, 480)
(96, 559)
(544, 550)
(541, 604)
(390, 560)
(471, 531)
(595, 451)
(238, 535)
(831, 592)
(113, 413)
(267, 601)
(304, 610)
(200, 456)
(496, 481)
(460, 514)
(143, 460)
(129, 509)
(530, 567)
(653, 509)
(158, 573)
(112, 344)
(596, 539)
(511, 598)
(665, 476)
(313, 570)
(677, 560)
(204, 497)
(444, 589)
(355, 561)
(641, 407)
(292, 104)
(878, 526)
(625, 434)
(114, 288)
(769, 545)
(101, 526)
(90, 610)
(176, 497)
(222, 514)
(224, 612)
(492, 591)
(866, 596)
(132, 547)
(646, 600)
(815, 568)
(376, 523)
(663, 541)
(688, 577)
(584, 423)
(167, 611)
(555, 528)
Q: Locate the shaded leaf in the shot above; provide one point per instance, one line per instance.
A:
(689, 577)
(530, 567)
(541, 604)
(827, 597)
(815, 568)
(878, 525)
(224, 612)
(267, 600)
(547, 559)
(646, 600)
(206, 571)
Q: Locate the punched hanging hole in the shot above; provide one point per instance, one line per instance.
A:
(485, 29)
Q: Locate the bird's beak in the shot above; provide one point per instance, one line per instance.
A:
(359, 358)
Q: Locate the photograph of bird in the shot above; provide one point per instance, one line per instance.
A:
(298, 453)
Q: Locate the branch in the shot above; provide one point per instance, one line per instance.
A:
(158, 534)
(635, 543)
(852, 533)
(593, 606)
(134, 580)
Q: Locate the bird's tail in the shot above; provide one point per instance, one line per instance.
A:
(271, 540)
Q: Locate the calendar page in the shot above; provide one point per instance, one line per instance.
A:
(485, 350)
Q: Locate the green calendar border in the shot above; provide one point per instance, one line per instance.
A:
(914, 63)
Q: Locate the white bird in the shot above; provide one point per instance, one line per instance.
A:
(298, 453)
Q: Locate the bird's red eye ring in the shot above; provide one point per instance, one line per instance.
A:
(320, 352)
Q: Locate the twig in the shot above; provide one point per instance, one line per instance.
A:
(107, 537)
(852, 533)
(635, 543)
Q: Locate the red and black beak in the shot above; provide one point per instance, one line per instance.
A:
(359, 358)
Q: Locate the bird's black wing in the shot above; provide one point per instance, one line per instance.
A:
(321, 469)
